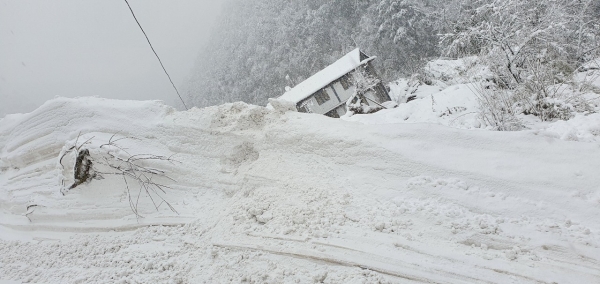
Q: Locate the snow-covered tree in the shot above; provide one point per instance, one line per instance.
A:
(527, 44)
(259, 42)
(530, 46)
(401, 33)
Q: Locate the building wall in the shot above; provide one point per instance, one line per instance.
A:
(338, 95)
(378, 94)
(343, 93)
(313, 106)
(333, 100)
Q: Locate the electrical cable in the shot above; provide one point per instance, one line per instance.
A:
(159, 61)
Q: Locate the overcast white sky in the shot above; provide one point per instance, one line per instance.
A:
(94, 48)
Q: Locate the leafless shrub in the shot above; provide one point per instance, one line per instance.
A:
(533, 54)
(551, 91)
(115, 160)
(496, 107)
(591, 74)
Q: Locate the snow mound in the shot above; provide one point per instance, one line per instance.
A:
(585, 128)
(267, 196)
(455, 106)
(33, 137)
(443, 94)
(457, 71)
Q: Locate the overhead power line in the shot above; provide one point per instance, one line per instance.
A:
(159, 61)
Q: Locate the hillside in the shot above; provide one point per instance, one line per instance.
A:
(263, 196)
(257, 45)
(258, 48)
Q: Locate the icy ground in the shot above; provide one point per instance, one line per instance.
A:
(271, 197)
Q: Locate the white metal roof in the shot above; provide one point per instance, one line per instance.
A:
(324, 77)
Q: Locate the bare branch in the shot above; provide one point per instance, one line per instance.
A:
(130, 168)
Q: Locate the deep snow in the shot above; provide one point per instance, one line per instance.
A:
(270, 197)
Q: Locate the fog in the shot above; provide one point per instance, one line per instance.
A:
(95, 48)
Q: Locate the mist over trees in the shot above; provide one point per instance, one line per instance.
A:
(257, 44)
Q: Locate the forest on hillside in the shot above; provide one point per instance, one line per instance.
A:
(259, 47)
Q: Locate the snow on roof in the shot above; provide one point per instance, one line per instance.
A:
(322, 78)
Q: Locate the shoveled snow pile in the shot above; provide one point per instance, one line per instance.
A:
(266, 196)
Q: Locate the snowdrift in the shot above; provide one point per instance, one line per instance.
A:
(265, 196)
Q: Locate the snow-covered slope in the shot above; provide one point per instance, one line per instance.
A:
(448, 93)
(271, 197)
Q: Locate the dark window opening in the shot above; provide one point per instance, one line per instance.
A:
(370, 70)
(345, 81)
(303, 107)
(363, 56)
(322, 97)
(382, 93)
(333, 113)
